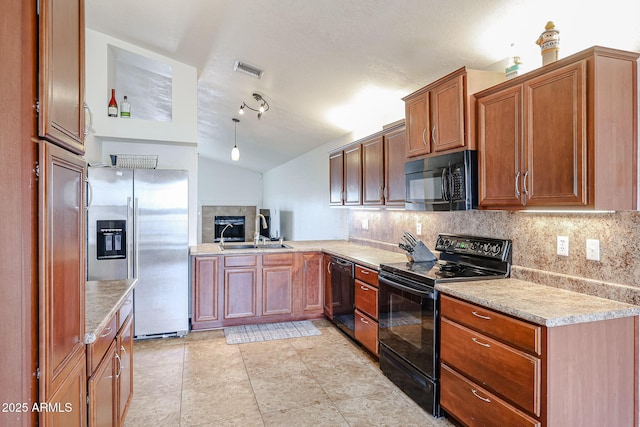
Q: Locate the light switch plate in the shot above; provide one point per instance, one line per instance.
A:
(365, 224)
(593, 249)
(563, 246)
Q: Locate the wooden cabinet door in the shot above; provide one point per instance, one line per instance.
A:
(500, 148)
(312, 279)
(205, 288)
(328, 301)
(70, 398)
(61, 103)
(556, 137)
(353, 175)
(366, 331)
(336, 178)
(62, 266)
(418, 125)
(240, 292)
(103, 391)
(125, 379)
(373, 171)
(394, 159)
(277, 290)
(447, 131)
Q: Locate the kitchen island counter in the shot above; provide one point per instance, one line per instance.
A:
(103, 298)
(364, 255)
(538, 304)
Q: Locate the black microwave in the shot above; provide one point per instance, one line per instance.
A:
(442, 183)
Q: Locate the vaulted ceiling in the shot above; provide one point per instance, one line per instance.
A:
(336, 66)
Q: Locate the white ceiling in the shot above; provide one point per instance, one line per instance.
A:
(338, 66)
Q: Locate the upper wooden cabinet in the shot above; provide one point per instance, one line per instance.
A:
(336, 177)
(61, 98)
(394, 159)
(439, 117)
(353, 175)
(564, 135)
(383, 158)
(345, 176)
(369, 171)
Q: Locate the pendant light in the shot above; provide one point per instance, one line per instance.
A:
(235, 153)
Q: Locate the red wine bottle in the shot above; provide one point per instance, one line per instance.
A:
(113, 105)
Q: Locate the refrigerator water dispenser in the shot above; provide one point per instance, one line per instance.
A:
(111, 239)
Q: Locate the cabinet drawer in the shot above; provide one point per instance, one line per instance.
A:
(475, 406)
(125, 310)
(99, 347)
(240, 261)
(366, 331)
(504, 328)
(509, 372)
(277, 259)
(367, 275)
(366, 298)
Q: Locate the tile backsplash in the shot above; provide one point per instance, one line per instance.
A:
(534, 242)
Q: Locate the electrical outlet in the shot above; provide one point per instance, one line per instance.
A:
(593, 249)
(563, 246)
(365, 224)
(418, 229)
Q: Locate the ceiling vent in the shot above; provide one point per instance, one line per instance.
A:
(252, 70)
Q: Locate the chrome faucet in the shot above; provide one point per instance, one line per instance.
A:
(256, 234)
(222, 234)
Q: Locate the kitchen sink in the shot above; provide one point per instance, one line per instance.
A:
(229, 246)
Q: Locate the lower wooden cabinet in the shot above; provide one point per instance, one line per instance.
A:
(103, 394)
(70, 398)
(481, 407)
(110, 372)
(125, 379)
(500, 371)
(257, 288)
(366, 308)
(277, 284)
(204, 282)
(312, 298)
(366, 331)
(328, 295)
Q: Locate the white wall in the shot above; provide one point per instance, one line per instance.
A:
(298, 192)
(222, 184)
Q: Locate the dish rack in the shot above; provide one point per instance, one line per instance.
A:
(136, 161)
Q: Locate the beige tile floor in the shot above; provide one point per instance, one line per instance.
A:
(323, 380)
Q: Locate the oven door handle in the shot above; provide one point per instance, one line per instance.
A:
(418, 292)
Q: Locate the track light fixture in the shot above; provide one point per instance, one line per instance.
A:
(235, 153)
(263, 105)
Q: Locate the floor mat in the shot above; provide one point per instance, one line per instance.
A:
(269, 331)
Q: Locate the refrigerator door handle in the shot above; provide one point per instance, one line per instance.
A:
(89, 193)
(136, 258)
(128, 231)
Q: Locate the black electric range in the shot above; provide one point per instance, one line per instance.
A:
(409, 333)
(460, 258)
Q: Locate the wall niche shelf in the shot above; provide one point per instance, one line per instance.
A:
(163, 93)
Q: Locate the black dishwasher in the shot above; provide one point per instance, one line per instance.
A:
(342, 289)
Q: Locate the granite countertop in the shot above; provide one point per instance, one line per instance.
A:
(103, 298)
(538, 304)
(364, 255)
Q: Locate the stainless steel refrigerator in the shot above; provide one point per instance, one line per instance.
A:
(138, 226)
